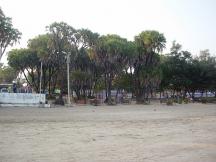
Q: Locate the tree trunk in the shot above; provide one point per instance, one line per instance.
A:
(117, 92)
(44, 80)
(105, 84)
(49, 82)
(109, 91)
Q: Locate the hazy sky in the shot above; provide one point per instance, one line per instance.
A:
(192, 23)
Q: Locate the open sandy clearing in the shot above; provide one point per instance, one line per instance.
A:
(129, 133)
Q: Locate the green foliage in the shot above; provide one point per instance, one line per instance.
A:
(99, 86)
(80, 75)
(180, 101)
(170, 102)
(176, 68)
(211, 100)
(186, 100)
(50, 97)
(8, 34)
(41, 45)
(21, 59)
(7, 74)
(181, 72)
(150, 41)
(203, 100)
(147, 73)
(111, 53)
(26, 60)
(110, 62)
(123, 81)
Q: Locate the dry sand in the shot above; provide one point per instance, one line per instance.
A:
(127, 133)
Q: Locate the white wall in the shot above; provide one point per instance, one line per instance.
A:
(22, 98)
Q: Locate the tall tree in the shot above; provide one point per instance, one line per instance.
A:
(27, 62)
(111, 53)
(41, 45)
(66, 40)
(63, 42)
(176, 70)
(149, 45)
(8, 34)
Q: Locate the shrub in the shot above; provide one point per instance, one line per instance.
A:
(59, 101)
(186, 100)
(91, 97)
(208, 100)
(180, 100)
(175, 100)
(94, 102)
(112, 102)
(51, 97)
(204, 100)
(169, 102)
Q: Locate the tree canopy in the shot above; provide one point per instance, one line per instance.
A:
(108, 62)
(8, 34)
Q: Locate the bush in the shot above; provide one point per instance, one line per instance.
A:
(51, 97)
(175, 100)
(204, 100)
(112, 102)
(91, 97)
(186, 100)
(143, 102)
(81, 97)
(180, 100)
(208, 100)
(94, 102)
(59, 101)
(212, 100)
(169, 102)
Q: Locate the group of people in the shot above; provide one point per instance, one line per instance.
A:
(14, 89)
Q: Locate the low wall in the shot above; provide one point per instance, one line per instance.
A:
(22, 98)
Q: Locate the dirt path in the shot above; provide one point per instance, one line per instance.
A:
(131, 133)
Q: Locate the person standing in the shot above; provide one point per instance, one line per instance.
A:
(14, 88)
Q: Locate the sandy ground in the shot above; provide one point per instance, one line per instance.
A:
(127, 133)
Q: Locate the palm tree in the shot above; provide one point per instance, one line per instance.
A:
(111, 54)
(149, 45)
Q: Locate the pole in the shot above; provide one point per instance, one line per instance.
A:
(1, 53)
(41, 75)
(68, 78)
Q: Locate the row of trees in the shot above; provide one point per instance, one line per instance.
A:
(97, 62)
(106, 62)
(111, 62)
(186, 74)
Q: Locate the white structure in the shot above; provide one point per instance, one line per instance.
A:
(22, 99)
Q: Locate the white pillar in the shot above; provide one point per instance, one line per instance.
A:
(41, 73)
